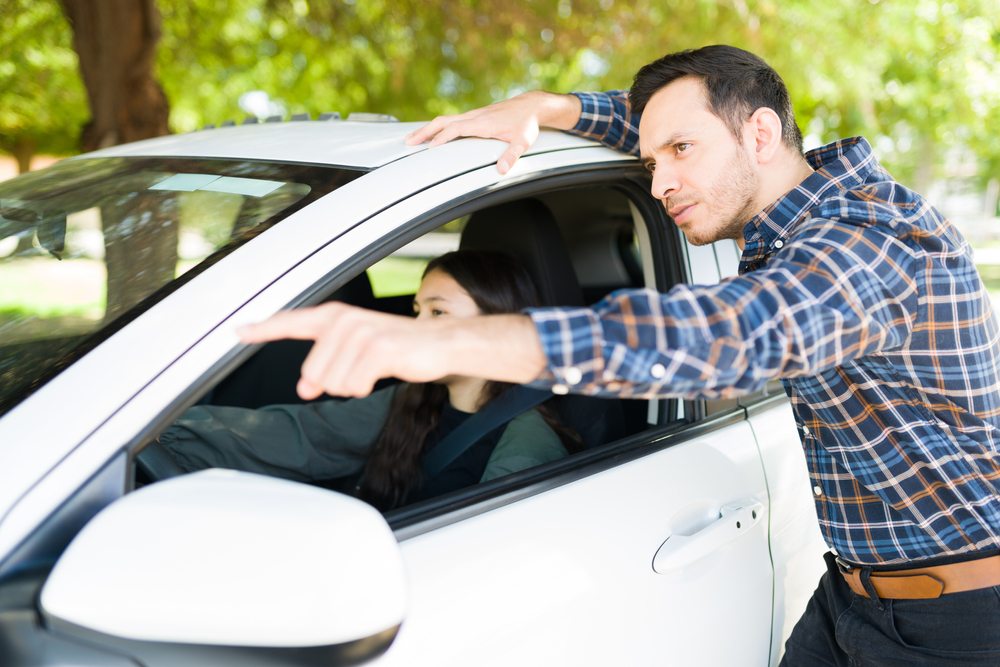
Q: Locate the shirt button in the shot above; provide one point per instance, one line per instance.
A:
(657, 371)
(573, 375)
(560, 389)
(779, 244)
(805, 430)
(817, 490)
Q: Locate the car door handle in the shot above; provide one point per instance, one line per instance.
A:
(681, 550)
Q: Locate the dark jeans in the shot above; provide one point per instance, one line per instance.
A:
(844, 629)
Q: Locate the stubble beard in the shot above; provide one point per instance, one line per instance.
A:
(736, 183)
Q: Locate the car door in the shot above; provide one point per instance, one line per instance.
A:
(565, 576)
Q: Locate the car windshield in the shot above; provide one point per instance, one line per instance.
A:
(88, 244)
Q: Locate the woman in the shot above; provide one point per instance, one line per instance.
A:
(385, 435)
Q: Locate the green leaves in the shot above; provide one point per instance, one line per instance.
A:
(42, 100)
(919, 78)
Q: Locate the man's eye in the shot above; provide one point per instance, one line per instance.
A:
(651, 166)
(435, 312)
(683, 147)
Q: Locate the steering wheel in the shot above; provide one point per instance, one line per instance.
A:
(157, 463)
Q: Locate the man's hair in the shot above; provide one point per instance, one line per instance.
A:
(737, 81)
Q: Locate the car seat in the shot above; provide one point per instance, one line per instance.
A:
(527, 230)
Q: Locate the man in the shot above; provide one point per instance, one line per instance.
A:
(853, 291)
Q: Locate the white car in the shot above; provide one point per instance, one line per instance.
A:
(685, 534)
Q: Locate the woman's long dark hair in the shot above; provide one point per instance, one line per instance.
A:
(497, 284)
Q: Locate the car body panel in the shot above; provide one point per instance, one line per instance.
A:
(343, 143)
(561, 571)
(796, 540)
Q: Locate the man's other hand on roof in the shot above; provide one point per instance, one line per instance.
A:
(516, 121)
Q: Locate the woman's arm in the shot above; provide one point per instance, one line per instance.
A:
(321, 440)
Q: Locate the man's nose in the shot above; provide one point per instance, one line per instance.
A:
(665, 182)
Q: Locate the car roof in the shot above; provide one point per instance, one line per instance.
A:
(356, 144)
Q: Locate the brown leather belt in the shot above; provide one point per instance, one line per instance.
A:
(926, 582)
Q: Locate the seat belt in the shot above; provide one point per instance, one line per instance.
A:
(500, 410)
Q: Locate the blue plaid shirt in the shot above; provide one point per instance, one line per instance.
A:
(864, 300)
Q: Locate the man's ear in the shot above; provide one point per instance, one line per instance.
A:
(763, 134)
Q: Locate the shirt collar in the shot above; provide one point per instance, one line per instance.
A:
(841, 165)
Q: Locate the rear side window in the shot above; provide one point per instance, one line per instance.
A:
(89, 244)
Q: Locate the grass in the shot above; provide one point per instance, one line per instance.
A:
(395, 276)
(48, 288)
(42, 288)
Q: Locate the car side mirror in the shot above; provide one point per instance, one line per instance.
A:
(231, 567)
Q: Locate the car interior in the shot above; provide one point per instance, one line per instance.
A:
(578, 245)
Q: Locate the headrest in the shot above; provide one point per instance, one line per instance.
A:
(527, 230)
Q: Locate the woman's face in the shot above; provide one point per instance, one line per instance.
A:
(441, 296)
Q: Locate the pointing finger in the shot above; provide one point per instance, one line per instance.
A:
(304, 324)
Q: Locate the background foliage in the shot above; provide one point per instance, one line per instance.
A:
(42, 101)
(919, 78)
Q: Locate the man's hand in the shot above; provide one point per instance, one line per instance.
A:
(356, 347)
(515, 121)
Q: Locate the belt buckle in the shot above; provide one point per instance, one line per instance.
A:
(844, 567)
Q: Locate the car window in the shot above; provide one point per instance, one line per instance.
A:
(728, 255)
(88, 244)
(399, 274)
(577, 246)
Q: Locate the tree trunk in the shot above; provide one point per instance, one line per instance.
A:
(23, 151)
(140, 251)
(115, 41)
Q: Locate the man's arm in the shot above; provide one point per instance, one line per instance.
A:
(607, 117)
(356, 347)
(604, 117)
(808, 311)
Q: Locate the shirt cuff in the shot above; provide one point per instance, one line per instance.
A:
(589, 108)
(594, 351)
(573, 342)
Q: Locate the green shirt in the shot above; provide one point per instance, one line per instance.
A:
(326, 439)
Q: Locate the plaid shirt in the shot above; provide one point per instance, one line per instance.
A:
(864, 300)
(606, 117)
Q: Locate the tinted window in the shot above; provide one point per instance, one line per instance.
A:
(88, 244)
